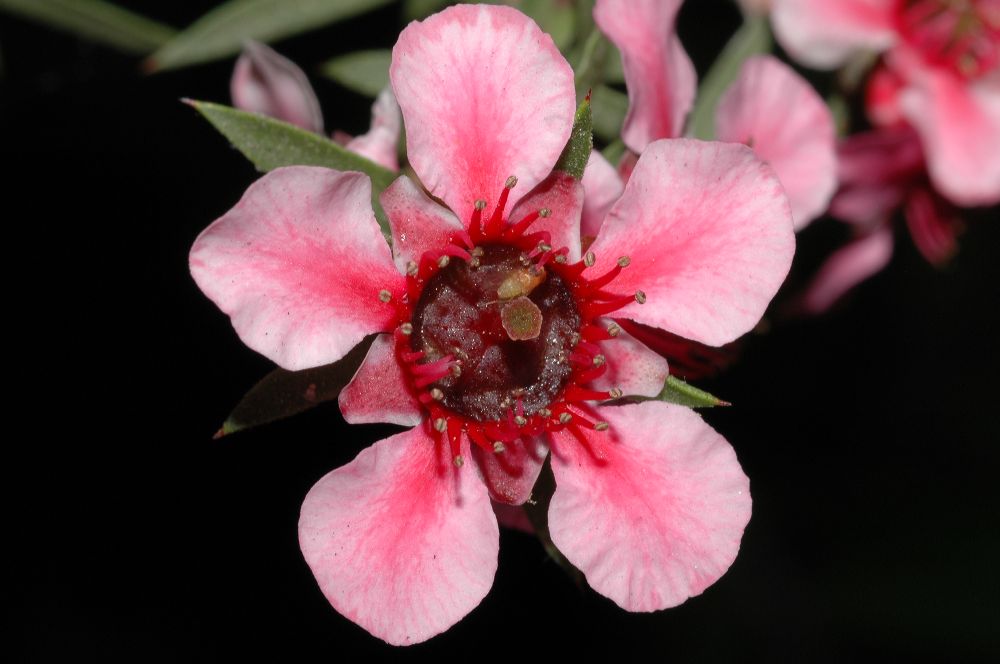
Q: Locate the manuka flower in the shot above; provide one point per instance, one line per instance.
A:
(494, 342)
(940, 74)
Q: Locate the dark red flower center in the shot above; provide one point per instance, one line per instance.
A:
(961, 35)
(498, 332)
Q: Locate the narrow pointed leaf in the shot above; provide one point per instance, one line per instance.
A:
(573, 159)
(97, 21)
(283, 393)
(270, 144)
(222, 31)
(752, 38)
(364, 72)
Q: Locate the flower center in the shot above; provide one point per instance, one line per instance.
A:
(961, 35)
(498, 332)
(509, 325)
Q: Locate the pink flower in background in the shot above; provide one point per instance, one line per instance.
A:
(940, 73)
(268, 83)
(881, 172)
(493, 341)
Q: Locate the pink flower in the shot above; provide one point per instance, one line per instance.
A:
(768, 107)
(493, 339)
(940, 73)
(881, 172)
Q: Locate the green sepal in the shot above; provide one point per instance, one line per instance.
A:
(677, 391)
(573, 159)
(283, 393)
(270, 144)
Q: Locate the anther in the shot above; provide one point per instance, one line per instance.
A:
(411, 268)
(545, 412)
(601, 426)
(384, 295)
(560, 258)
(624, 261)
(437, 394)
(589, 259)
(459, 461)
(474, 263)
(640, 297)
(598, 360)
(511, 182)
(477, 251)
(543, 247)
(406, 328)
(440, 424)
(480, 205)
(565, 418)
(498, 447)
(574, 339)
(520, 420)
(614, 329)
(443, 261)
(456, 369)
(615, 393)
(544, 212)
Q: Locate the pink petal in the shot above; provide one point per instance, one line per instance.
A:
(400, 541)
(378, 392)
(485, 94)
(510, 475)
(659, 74)
(653, 513)
(709, 232)
(418, 224)
(825, 33)
(602, 186)
(298, 265)
(379, 144)
(959, 126)
(632, 367)
(846, 268)
(563, 196)
(270, 84)
(513, 517)
(777, 113)
(933, 225)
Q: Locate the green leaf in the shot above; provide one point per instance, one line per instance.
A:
(555, 18)
(364, 72)
(677, 391)
(573, 159)
(610, 107)
(96, 20)
(222, 31)
(270, 144)
(283, 393)
(614, 151)
(753, 38)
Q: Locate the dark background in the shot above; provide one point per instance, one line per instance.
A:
(870, 435)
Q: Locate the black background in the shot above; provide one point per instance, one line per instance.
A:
(870, 435)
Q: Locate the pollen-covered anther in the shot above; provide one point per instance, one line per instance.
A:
(477, 252)
(624, 261)
(511, 182)
(443, 261)
(480, 205)
(459, 461)
(520, 420)
(544, 212)
(545, 412)
(560, 258)
(565, 418)
(614, 329)
(589, 259)
(598, 360)
(498, 447)
(601, 426)
(615, 393)
(384, 295)
(411, 268)
(640, 297)
(543, 247)
(406, 328)
(437, 394)
(440, 424)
